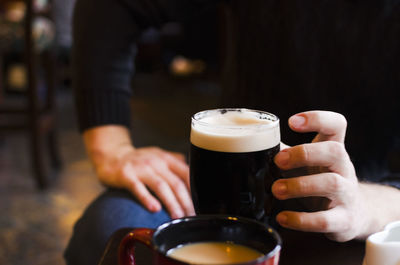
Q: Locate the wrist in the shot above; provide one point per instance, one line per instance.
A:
(107, 143)
(377, 211)
(367, 222)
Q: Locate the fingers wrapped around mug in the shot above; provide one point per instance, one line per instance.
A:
(329, 154)
(338, 184)
(335, 180)
(330, 126)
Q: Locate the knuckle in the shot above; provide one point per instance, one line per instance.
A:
(178, 185)
(317, 116)
(158, 151)
(126, 178)
(303, 152)
(336, 149)
(142, 170)
(324, 224)
(301, 185)
(303, 220)
(346, 226)
(342, 120)
(150, 161)
(160, 185)
(335, 182)
(156, 163)
(153, 148)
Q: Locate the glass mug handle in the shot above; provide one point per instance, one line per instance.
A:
(126, 251)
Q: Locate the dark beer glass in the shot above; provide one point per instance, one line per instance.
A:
(231, 162)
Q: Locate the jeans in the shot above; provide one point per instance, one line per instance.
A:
(112, 210)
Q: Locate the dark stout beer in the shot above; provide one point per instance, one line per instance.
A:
(231, 162)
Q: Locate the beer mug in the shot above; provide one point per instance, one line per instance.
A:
(383, 248)
(231, 162)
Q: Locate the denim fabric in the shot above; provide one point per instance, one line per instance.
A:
(112, 210)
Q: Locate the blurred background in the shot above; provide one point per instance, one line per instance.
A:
(46, 180)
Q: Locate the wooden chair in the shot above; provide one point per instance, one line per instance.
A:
(36, 115)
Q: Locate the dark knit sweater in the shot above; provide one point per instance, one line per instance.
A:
(104, 33)
(281, 56)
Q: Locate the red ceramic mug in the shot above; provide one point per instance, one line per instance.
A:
(204, 228)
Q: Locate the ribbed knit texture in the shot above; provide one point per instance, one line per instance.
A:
(104, 32)
(282, 56)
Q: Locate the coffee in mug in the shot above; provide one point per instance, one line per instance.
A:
(190, 240)
(216, 253)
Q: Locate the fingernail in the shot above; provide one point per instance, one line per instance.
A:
(282, 158)
(282, 219)
(177, 214)
(297, 121)
(280, 188)
(154, 207)
(192, 213)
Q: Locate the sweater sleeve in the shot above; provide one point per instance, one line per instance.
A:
(392, 180)
(102, 62)
(104, 34)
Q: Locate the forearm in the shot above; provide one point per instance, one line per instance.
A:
(382, 207)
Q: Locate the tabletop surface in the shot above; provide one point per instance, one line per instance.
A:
(298, 249)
